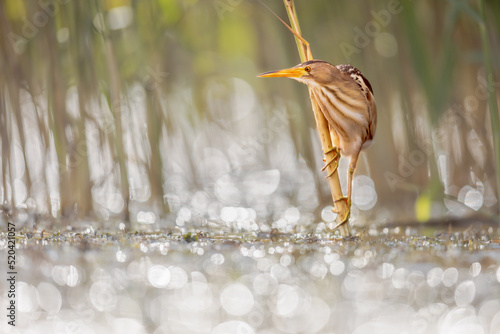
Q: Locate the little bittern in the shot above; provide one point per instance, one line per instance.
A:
(345, 98)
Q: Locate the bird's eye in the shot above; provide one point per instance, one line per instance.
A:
(307, 69)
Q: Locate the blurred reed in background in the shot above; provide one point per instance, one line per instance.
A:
(149, 112)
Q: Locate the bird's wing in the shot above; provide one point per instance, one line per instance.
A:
(355, 74)
(367, 89)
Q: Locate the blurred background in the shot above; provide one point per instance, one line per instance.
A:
(148, 114)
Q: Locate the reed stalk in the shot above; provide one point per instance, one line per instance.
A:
(492, 98)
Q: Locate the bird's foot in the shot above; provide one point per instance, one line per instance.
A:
(347, 212)
(333, 149)
(334, 160)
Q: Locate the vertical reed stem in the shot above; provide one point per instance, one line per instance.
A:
(492, 98)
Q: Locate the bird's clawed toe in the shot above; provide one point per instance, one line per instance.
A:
(333, 160)
(347, 215)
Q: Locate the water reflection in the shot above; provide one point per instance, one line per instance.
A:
(236, 299)
(213, 285)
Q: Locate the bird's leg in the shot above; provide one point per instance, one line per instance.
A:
(347, 200)
(352, 167)
(334, 160)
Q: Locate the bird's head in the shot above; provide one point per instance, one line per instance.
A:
(309, 72)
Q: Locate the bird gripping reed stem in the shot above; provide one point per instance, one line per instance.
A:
(322, 125)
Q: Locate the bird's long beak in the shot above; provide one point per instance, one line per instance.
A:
(294, 72)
